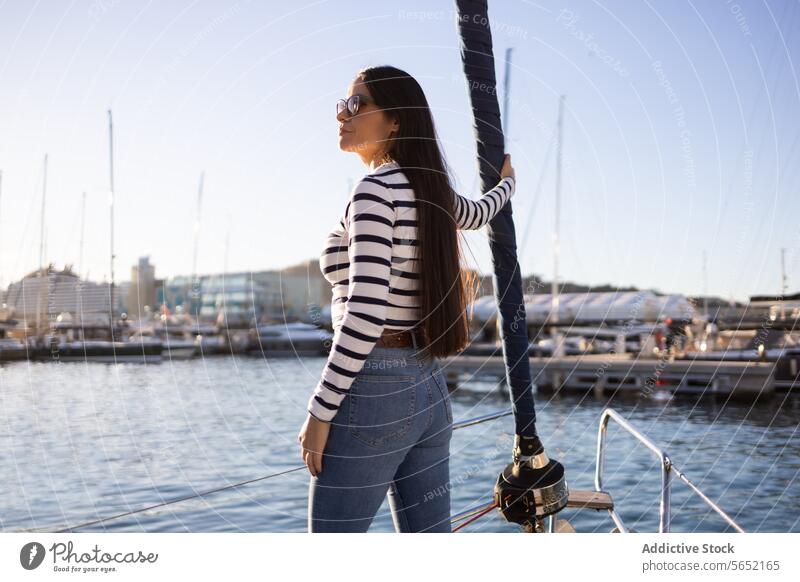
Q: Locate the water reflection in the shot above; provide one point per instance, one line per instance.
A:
(84, 441)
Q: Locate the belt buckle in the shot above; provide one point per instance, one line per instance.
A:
(394, 339)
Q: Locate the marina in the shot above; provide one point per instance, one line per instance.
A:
(629, 374)
(612, 374)
(293, 269)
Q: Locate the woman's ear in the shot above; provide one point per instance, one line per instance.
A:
(395, 127)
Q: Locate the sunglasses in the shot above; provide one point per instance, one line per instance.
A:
(352, 104)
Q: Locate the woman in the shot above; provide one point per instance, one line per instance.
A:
(380, 418)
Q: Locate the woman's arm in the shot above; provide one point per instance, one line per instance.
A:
(369, 219)
(473, 214)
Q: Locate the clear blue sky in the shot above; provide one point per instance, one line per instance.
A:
(681, 131)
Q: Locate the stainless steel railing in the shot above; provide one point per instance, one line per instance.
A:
(667, 468)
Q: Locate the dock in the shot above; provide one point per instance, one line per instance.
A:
(606, 374)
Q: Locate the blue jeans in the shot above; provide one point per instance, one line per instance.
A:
(391, 435)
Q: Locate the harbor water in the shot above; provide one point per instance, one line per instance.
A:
(82, 441)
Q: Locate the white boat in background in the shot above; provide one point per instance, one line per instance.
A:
(210, 341)
(176, 332)
(573, 346)
(89, 340)
(10, 348)
(289, 339)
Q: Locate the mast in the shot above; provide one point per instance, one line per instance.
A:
(784, 281)
(705, 286)
(41, 248)
(506, 90)
(556, 250)
(531, 473)
(111, 207)
(477, 59)
(41, 224)
(83, 223)
(80, 258)
(224, 307)
(195, 293)
(504, 123)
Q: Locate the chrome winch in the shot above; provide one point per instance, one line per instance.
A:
(532, 486)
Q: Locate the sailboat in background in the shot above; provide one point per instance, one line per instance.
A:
(10, 348)
(90, 337)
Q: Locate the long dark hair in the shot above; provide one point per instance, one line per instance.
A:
(446, 290)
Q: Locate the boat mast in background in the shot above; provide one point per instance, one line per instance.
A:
(506, 92)
(111, 205)
(83, 229)
(195, 293)
(222, 311)
(41, 248)
(784, 283)
(80, 259)
(41, 226)
(705, 286)
(558, 345)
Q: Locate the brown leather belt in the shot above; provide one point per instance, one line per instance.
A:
(399, 338)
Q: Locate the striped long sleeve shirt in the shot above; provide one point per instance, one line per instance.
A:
(369, 260)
